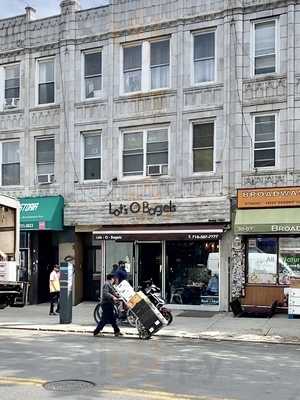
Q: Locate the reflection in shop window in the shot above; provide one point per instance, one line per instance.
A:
(192, 272)
(262, 260)
(119, 251)
(289, 259)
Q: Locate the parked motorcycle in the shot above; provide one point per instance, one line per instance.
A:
(122, 313)
(154, 295)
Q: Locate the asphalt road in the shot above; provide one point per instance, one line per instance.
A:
(129, 369)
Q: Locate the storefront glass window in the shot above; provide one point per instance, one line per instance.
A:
(119, 251)
(262, 260)
(289, 259)
(192, 275)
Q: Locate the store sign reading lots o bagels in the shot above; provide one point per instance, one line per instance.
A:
(269, 197)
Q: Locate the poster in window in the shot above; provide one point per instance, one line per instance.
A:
(262, 268)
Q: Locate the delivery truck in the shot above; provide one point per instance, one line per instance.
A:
(12, 291)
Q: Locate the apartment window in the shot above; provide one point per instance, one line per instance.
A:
(92, 156)
(46, 81)
(203, 147)
(265, 47)
(204, 57)
(132, 68)
(45, 159)
(145, 152)
(12, 85)
(93, 74)
(10, 163)
(265, 141)
(146, 66)
(159, 64)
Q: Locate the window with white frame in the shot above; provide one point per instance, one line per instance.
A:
(45, 160)
(12, 85)
(10, 163)
(46, 91)
(264, 141)
(92, 156)
(146, 152)
(132, 68)
(203, 147)
(160, 63)
(204, 57)
(92, 74)
(146, 66)
(264, 47)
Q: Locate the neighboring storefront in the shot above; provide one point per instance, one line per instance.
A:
(267, 222)
(184, 259)
(41, 223)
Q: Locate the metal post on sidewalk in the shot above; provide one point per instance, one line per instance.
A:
(66, 297)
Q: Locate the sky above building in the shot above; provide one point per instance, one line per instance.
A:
(44, 8)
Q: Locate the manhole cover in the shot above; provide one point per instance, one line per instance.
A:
(68, 385)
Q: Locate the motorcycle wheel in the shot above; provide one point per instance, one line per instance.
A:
(97, 313)
(131, 318)
(167, 315)
(143, 333)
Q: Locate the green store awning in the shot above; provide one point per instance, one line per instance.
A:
(42, 213)
(270, 221)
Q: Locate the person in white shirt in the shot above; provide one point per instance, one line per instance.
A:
(54, 288)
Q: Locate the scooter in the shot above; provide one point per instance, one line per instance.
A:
(154, 295)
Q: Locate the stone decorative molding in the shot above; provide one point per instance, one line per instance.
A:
(238, 273)
(90, 112)
(273, 90)
(11, 121)
(145, 104)
(126, 191)
(203, 97)
(297, 87)
(45, 117)
(265, 180)
(202, 187)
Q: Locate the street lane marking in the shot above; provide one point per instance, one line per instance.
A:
(10, 380)
(158, 395)
(135, 393)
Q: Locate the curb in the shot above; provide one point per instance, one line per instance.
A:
(238, 339)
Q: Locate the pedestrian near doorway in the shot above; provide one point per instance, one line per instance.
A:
(54, 287)
(109, 297)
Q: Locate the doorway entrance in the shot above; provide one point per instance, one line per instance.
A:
(150, 264)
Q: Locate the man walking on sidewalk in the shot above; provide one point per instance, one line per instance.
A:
(109, 297)
(54, 287)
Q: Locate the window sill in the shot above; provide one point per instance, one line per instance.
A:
(94, 100)
(11, 187)
(148, 93)
(143, 179)
(263, 77)
(45, 106)
(206, 85)
(18, 110)
(203, 174)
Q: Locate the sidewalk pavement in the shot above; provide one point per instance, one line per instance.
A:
(220, 326)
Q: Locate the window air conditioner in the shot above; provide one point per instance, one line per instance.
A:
(44, 179)
(157, 169)
(11, 103)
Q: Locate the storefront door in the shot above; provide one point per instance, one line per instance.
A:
(149, 265)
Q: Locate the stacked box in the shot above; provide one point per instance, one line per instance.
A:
(147, 314)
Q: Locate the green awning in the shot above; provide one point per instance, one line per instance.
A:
(271, 221)
(42, 213)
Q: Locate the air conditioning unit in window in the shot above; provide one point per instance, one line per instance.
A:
(157, 169)
(44, 179)
(11, 103)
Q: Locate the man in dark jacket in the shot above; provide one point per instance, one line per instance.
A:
(109, 297)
